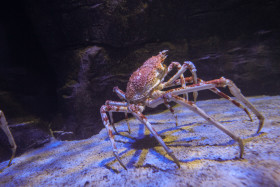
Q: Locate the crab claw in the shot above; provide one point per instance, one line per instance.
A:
(163, 55)
(163, 52)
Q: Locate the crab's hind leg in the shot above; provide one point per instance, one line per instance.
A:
(103, 110)
(233, 101)
(126, 119)
(216, 91)
(222, 82)
(171, 110)
(235, 91)
(5, 128)
(197, 110)
(136, 113)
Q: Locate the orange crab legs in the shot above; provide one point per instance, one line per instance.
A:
(121, 95)
(182, 81)
(181, 69)
(5, 128)
(116, 103)
(171, 110)
(145, 86)
(136, 111)
(222, 82)
(109, 108)
(216, 91)
(172, 95)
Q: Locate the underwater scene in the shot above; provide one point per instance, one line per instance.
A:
(140, 93)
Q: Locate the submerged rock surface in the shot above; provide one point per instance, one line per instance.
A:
(207, 156)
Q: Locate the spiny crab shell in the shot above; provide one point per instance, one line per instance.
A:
(146, 78)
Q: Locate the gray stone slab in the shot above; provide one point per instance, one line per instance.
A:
(207, 156)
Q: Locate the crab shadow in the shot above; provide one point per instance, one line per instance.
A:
(143, 145)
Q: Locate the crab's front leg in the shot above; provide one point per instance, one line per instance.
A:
(110, 108)
(121, 95)
(117, 103)
(5, 128)
(181, 69)
(178, 66)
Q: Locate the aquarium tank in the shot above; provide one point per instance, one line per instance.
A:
(140, 93)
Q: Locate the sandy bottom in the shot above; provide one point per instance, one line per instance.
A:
(207, 156)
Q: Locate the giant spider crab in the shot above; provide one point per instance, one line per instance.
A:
(145, 88)
(5, 128)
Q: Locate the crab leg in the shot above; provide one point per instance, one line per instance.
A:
(182, 79)
(126, 119)
(171, 110)
(114, 103)
(197, 110)
(236, 103)
(119, 92)
(152, 103)
(211, 85)
(4, 126)
(222, 82)
(218, 92)
(237, 93)
(137, 114)
(187, 65)
(103, 110)
(113, 124)
(121, 95)
(178, 82)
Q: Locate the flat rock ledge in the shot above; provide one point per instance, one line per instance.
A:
(207, 156)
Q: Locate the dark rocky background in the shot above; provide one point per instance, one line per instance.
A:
(59, 60)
